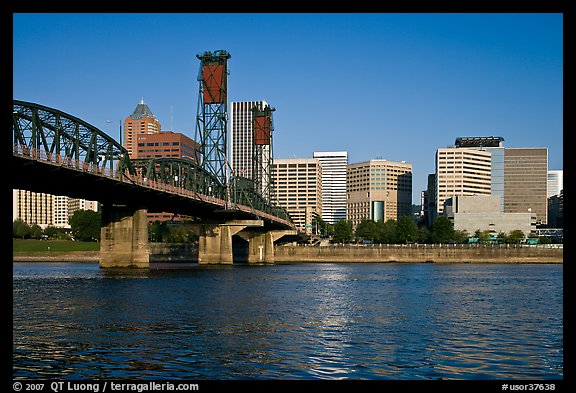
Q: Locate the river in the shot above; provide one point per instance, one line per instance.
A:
(296, 321)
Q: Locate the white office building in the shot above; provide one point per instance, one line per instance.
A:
(334, 166)
(555, 182)
(241, 139)
(47, 209)
(298, 188)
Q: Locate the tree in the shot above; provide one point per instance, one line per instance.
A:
(367, 230)
(406, 230)
(20, 229)
(51, 231)
(482, 236)
(544, 240)
(35, 231)
(502, 237)
(515, 236)
(85, 225)
(386, 231)
(423, 234)
(460, 235)
(158, 231)
(442, 230)
(342, 232)
(319, 226)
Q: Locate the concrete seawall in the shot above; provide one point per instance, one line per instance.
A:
(421, 253)
(417, 253)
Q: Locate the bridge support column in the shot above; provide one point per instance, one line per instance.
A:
(215, 240)
(124, 237)
(261, 244)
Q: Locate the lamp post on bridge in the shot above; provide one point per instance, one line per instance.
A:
(121, 154)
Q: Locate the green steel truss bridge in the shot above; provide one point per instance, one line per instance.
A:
(57, 153)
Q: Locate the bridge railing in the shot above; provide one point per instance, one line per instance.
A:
(64, 161)
(270, 212)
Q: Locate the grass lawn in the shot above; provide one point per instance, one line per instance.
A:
(30, 245)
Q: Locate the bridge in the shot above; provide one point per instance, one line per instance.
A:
(57, 153)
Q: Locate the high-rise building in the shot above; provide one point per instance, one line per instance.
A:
(526, 181)
(166, 144)
(33, 207)
(334, 167)
(298, 188)
(141, 121)
(241, 139)
(47, 209)
(482, 166)
(378, 190)
(555, 182)
(556, 210)
(461, 171)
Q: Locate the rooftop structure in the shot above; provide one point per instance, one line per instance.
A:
(479, 141)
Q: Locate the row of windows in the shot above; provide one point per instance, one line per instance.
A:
(160, 144)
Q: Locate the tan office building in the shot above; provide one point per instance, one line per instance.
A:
(526, 182)
(482, 166)
(378, 190)
(298, 188)
(462, 171)
(141, 121)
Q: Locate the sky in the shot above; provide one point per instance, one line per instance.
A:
(378, 85)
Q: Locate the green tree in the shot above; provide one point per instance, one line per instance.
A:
(367, 230)
(406, 230)
(544, 240)
(515, 236)
(85, 225)
(158, 231)
(423, 234)
(482, 236)
(319, 226)
(460, 235)
(51, 231)
(502, 237)
(342, 232)
(386, 232)
(20, 229)
(35, 231)
(180, 234)
(442, 230)
(329, 230)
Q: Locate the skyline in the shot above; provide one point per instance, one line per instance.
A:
(391, 86)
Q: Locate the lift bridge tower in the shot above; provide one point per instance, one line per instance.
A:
(262, 157)
(212, 116)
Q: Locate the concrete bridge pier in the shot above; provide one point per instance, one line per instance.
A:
(215, 240)
(124, 237)
(261, 244)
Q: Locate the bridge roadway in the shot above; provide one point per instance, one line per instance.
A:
(126, 199)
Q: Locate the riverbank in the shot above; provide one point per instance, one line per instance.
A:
(422, 253)
(413, 253)
(70, 256)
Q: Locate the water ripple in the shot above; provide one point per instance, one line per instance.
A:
(308, 321)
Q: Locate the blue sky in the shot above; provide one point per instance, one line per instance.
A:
(393, 86)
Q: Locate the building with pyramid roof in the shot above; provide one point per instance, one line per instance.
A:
(141, 121)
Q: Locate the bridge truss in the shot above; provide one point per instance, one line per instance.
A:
(66, 139)
(49, 136)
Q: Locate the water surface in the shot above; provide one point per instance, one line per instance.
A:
(298, 321)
